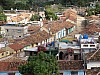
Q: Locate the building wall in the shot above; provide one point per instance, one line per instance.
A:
(93, 64)
(14, 31)
(4, 54)
(2, 45)
(88, 46)
(10, 50)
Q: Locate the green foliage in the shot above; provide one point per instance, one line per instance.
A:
(35, 17)
(1, 9)
(7, 4)
(3, 17)
(50, 13)
(42, 64)
(21, 6)
(94, 11)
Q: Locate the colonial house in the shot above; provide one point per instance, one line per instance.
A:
(59, 29)
(70, 63)
(71, 16)
(39, 38)
(16, 49)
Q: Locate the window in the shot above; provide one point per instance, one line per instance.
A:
(74, 73)
(85, 45)
(92, 45)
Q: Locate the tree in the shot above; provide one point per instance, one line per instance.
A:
(22, 6)
(3, 17)
(50, 13)
(1, 9)
(7, 4)
(42, 64)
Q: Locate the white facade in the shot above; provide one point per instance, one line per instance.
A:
(89, 46)
(2, 45)
(93, 64)
(88, 43)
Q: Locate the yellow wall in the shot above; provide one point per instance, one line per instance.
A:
(4, 54)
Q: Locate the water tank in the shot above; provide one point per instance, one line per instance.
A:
(85, 36)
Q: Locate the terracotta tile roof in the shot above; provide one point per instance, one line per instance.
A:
(70, 14)
(70, 65)
(24, 43)
(20, 17)
(90, 29)
(33, 29)
(16, 46)
(11, 64)
(93, 56)
(57, 26)
(93, 71)
(16, 19)
(37, 37)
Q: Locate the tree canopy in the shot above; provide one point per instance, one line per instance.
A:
(50, 13)
(94, 11)
(3, 17)
(42, 64)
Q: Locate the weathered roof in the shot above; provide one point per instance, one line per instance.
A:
(37, 37)
(57, 26)
(16, 46)
(93, 56)
(93, 71)
(90, 29)
(11, 64)
(70, 65)
(33, 29)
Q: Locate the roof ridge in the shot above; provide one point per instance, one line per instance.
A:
(93, 54)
